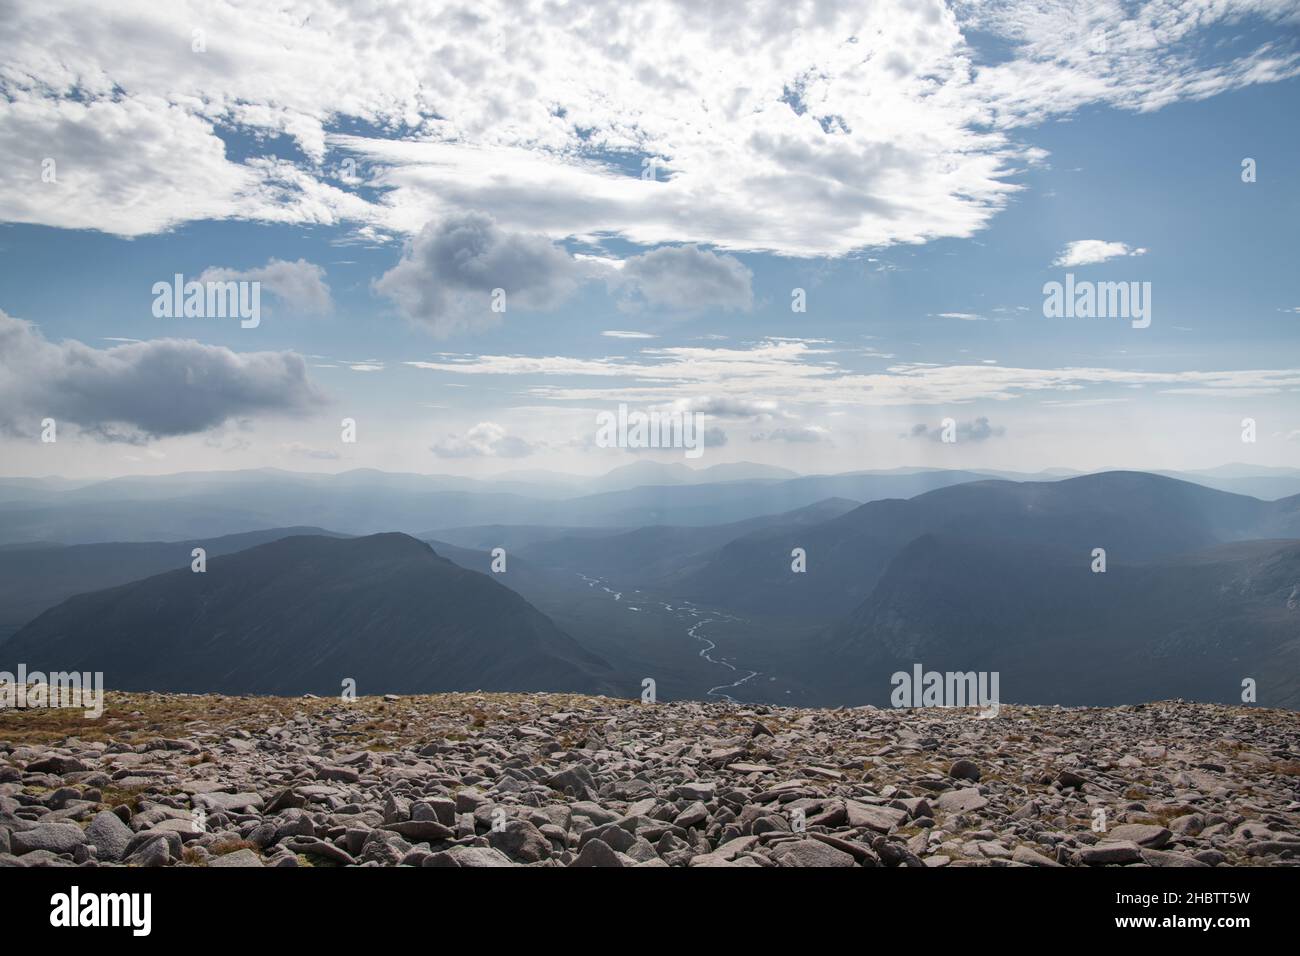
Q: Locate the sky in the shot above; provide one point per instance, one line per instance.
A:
(825, 227)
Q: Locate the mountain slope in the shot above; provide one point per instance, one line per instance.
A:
(33, 579)
(1135, 516)
(303, 614)
(662, 553)
(1192, 625)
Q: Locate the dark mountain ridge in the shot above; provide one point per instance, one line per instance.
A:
(302, 614)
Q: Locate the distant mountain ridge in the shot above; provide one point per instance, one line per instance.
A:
(35, 578)
(367, 501)
(1135, 516)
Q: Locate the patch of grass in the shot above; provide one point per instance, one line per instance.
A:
(119, 796)
(191, 855)
(1164, 815)
(230, 844)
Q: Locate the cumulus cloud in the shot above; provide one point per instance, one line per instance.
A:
(714, 437)
(686, 278)
(484, 440)
(300, 285)
(141, 390)
(1087, 252)
(977, 430)
(447, 274)
(722, 406)
(138, 165)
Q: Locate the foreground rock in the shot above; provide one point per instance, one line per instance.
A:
(473, 780)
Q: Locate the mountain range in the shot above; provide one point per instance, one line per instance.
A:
(365, 501)
(1200, 589)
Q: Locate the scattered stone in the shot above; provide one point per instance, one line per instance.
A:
(811, 853)
(1110, 852)
(1143, 834)
(243, 857)
(961, 801)
(520, 840)
(109, 835)
(1023, 854)
(469, 780)
(52, 837)
(597, 853)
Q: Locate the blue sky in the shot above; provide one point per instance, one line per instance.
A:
(969, 153)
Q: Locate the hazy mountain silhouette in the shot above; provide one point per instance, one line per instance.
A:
(38, 577)
(1192, 625)
(304, 613)
(661, 554)
(1202, 590)
(1134, 516)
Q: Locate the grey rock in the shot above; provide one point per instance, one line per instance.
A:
(597, 853)
(56, 764)
(1110, 852)
(109, 835)
(227, 801)
(51, 837)
(1022, 854)
(422, 830)
(696, 790)
(244, 857)
(520, 840)
(810, 853)
(309, 846)
(471, 857)
(155, 852)
(961, 801)
(1143, 834)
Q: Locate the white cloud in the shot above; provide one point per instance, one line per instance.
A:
(484, 440)
(1087, 252)
(686, 278)
(728, 407)
(616, 334)
(300, 285)
(778, 374)
(140, 165)
(804, 129)
(448, 273)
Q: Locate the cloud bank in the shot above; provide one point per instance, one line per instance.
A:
(141, 390)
